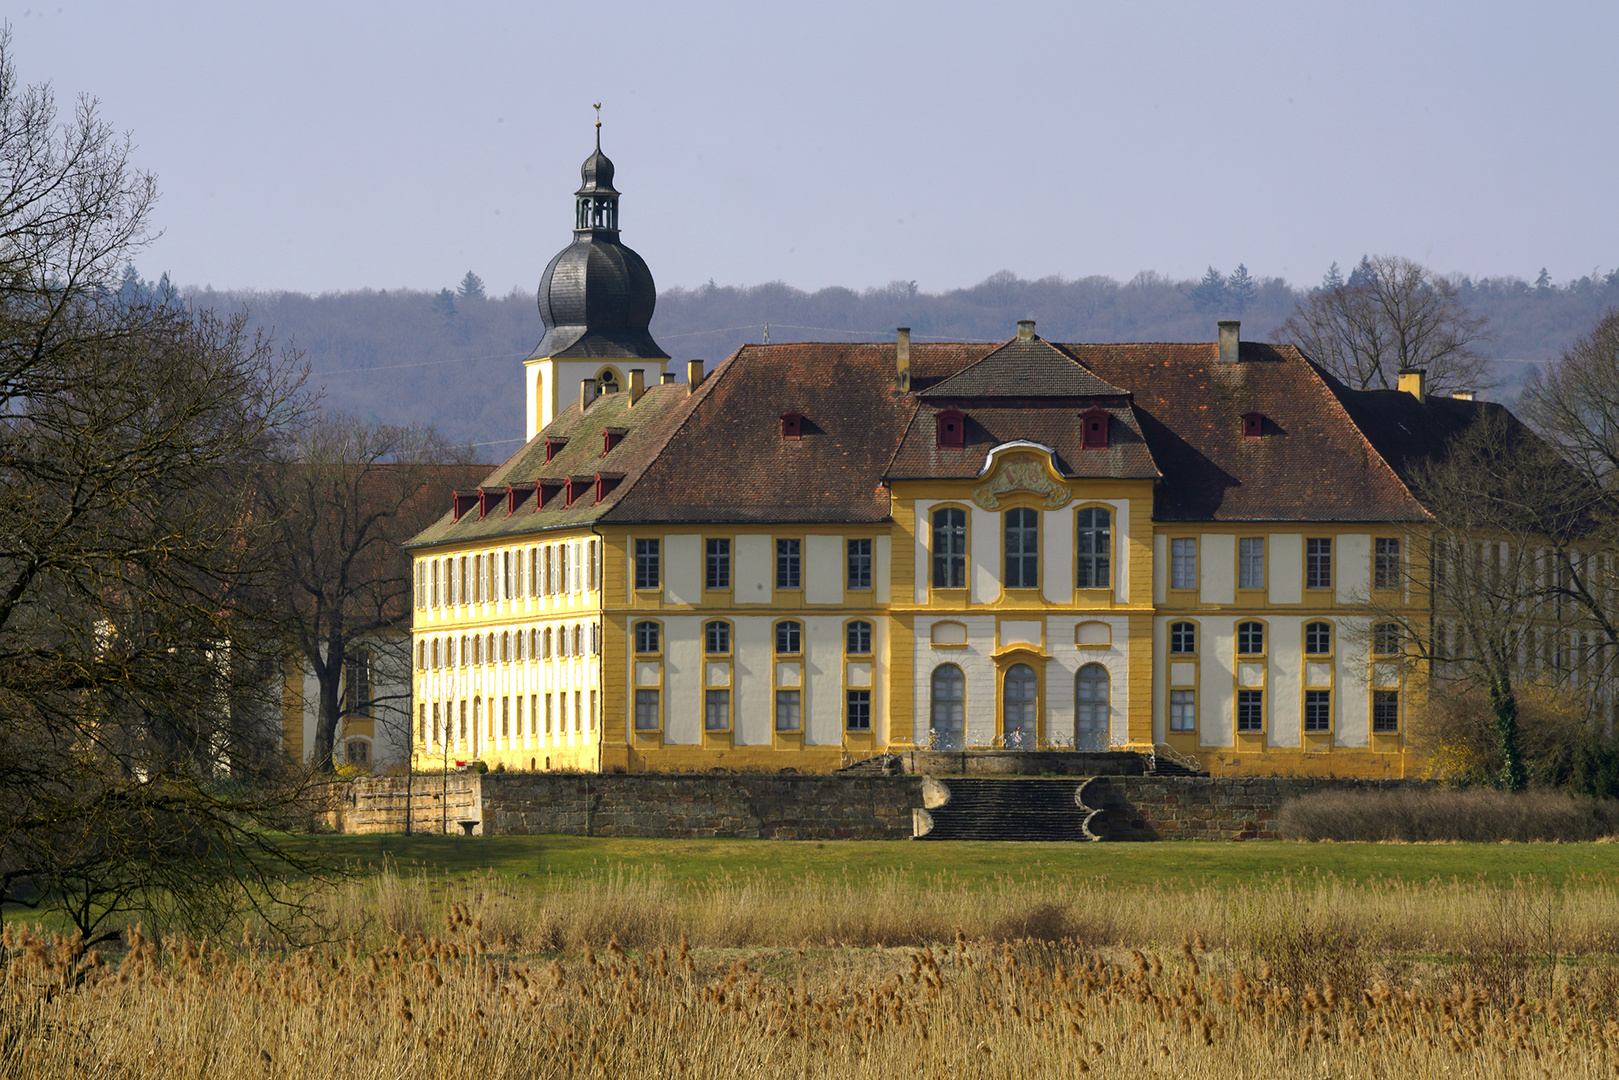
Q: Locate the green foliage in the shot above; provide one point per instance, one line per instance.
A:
(444, 305)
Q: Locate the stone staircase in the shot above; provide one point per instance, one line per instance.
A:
(975, 808)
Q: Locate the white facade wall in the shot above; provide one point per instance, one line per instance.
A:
(825, 569)
(753, 575)
(683, 568)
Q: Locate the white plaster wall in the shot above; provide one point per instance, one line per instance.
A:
(1284, 686)
(882, 558)
(1057, 556)
(1160, 679)
(882, 666)
(984, 569)
(823, 680)
(753, 693)
(682, 569)
(1121, 550)
(1352, 722)
(1160, 568)
(682, 679)
(1216, 568)
(1286, 568)
(825, 568)
(975, 664)
(1352, 577)
(753, 577)
(924, 534)
(1215, 712)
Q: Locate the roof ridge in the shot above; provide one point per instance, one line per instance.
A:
(692, 400)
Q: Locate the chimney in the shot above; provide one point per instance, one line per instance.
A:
(637, 384)
(668, 379)
(1025, 329)
(1462, 395)
(587, 393)
(1229, 350)
(1414, 381)
(902, 360)
(694, 375)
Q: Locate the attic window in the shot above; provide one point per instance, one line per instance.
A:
(1253, 425)
(460, 503)
(553, 446)
(611, 437)
(1093, 429)
(792, 425)
(548, 491)
(952, 428)
(511, 500)
(605, 483)
(570, 491)
(483, 503)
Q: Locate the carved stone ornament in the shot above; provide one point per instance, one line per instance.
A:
(1021, 473)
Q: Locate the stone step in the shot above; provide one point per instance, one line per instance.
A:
(1006, 809)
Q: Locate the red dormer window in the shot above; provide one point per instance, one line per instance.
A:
(483, 503)
(1253, 425)
(461, 503)
(605, 483)
(553, 447)
(570, 491)
(611, 437)
(1093, 429)
(511, 500)
(792, 425)
(952, 430)
(547, 491)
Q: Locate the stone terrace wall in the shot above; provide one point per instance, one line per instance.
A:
(1200, 808)
(782, 807)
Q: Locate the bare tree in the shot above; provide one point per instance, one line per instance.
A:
(348, 494)
(1575, 402)
(1392, 315)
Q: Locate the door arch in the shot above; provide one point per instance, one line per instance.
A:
(1093, 713)
(948, 708)
(1020, 694)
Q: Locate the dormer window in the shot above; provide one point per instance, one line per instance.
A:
(952, 430)
(605, 483)
(570, 492)
(792, 425)
(1253, 425)
(1093, 429)
(460, 503)
(548, 490)
(483, 503)
(611, 437)
(553, 446)
(511, 500)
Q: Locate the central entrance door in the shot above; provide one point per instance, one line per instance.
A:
(1092, 713)
(1018, 707)
(948, 714)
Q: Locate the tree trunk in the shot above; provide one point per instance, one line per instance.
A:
(1504, 706)
(329, 704)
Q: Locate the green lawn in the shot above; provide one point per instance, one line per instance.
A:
(1160, 864)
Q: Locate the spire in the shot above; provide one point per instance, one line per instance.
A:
(596, 201)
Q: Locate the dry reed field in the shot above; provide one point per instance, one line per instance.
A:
(614, 974)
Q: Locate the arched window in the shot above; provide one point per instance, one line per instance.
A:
(646, 637)
(859, 638)
(477, 648)
(950, 548)
(607, 381)
(1318, 638)
(1094, 542)
(421, 656)
(578, 640)
(948, 712)
(1250, 638)
(1022, 549)
(546, 653)
(505, 646)
(1182, 638)
(1018, 700)
(789, 637)
(717, 638)
(1092, 710)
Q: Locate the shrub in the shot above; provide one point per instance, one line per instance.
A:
(1432, 814)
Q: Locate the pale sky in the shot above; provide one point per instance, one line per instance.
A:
(344, 145)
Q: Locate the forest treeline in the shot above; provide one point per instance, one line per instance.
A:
(451, 357)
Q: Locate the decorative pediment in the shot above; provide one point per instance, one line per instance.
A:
(1021, 472)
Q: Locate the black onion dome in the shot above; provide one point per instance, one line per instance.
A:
(596, 295)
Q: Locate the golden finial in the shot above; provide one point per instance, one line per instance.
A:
(598, 108)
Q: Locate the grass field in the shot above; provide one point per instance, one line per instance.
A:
(975, 863)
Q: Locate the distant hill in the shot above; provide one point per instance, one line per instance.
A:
(405, 355)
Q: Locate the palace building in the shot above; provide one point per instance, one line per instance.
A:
(819, 552)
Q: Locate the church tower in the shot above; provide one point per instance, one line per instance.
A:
(596, 300)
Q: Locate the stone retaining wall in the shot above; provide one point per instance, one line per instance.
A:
(1200, 808)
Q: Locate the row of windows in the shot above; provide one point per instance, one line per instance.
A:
(717, 563)
(1317, 711)
(509, 574)
(1386, 566)
(789, 637)
(1386, 639)
(789, 717)
(532, 643)
(1093, 545)
(1020, 688)
(442, 726)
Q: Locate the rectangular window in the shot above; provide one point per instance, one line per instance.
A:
(646, 637)
(1386, 563)
(505, 718)
(590, 567)
(421, 724)
(1094, 538)
(1250, 710)
(858, 715)
(357, 684)
(578, 710)
(788, 704)
(1318, 710)
(950, 548)
(717, 710)
(1318, 563)
(506, 592)
(717, 638)
(646, 710)
(1182, 638)
(646, 564)
(534, 571)
(788, 564)
(860, 564)
(1183, 563)
(788, 637)
(1022, 549)
(463, 721)
(548, 714)
(859, 638)
(1183, 710)
(438, 722)
(461, 582)
(1385, 711)
(719, 565)
(1251, 562)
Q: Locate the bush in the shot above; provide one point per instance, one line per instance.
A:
(1433, 814)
